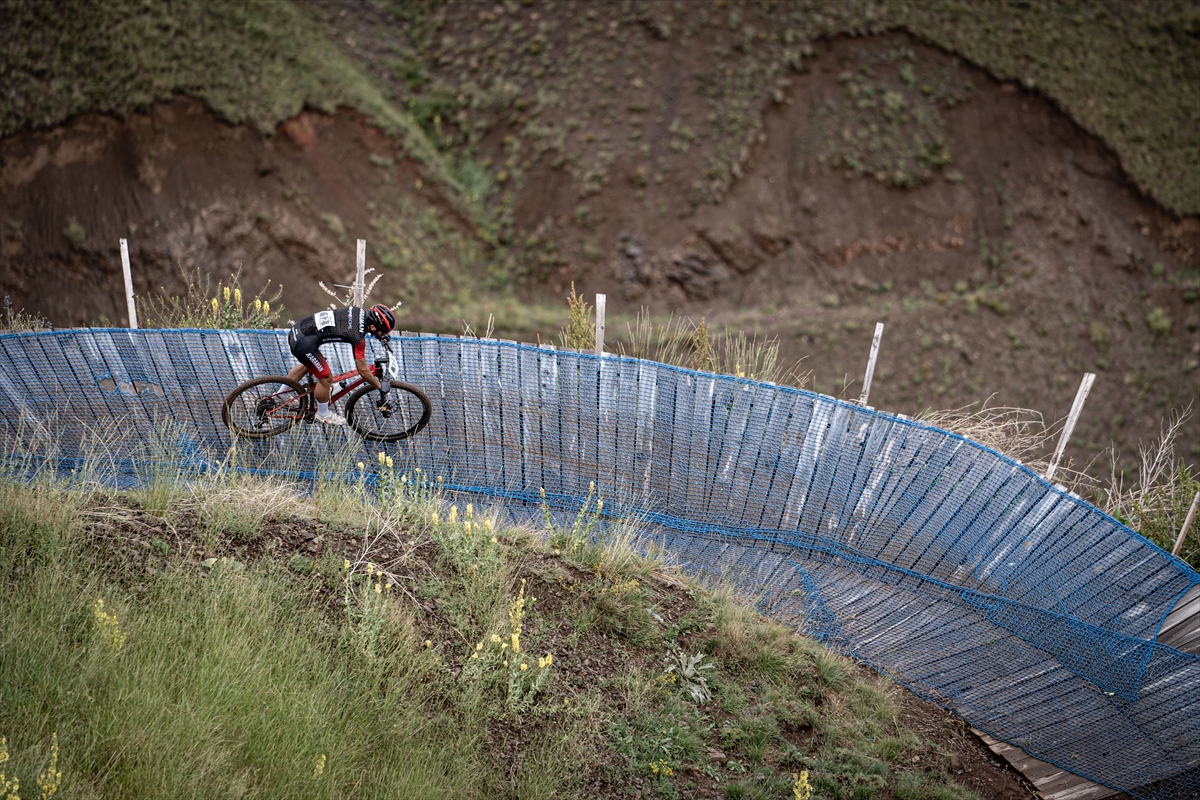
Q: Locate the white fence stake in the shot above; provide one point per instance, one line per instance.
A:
(600, 300)
(862, 398)
(1085, 386)
(1187, 523)
(128, 284)
(360, 277)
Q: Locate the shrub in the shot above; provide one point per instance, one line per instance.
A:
(1159, 322)
(202, 306)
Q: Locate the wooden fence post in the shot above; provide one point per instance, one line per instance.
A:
(133, 323)
(360, 277)
(1085, 386)
(862, 398)
(600, 300)
(1187, 523)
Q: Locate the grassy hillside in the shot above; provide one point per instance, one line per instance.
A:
(209, 637)
(1127, 71)
(540, 71)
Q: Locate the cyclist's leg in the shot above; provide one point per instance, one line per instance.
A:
(307, 351)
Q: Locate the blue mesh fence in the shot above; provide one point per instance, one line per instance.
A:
(955, 570)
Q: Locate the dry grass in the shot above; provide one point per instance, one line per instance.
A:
(1155, 506)
(1019, 433)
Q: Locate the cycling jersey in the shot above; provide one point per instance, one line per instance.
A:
(333, 325)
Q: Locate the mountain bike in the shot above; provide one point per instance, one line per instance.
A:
(268, 406)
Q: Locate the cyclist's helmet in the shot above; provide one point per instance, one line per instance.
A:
(382, 318)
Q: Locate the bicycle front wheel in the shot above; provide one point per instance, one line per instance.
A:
(263, 407)
(406, 412)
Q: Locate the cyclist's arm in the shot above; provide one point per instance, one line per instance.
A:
(364, 369)
(360, 361)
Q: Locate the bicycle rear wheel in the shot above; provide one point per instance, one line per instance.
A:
(263, 407)
(407, 411)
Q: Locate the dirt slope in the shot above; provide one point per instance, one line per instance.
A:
(187, 191)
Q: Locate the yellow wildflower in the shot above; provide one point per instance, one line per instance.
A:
(495, 639)
(226, 294)
(346, 564)
(428, 644)
(378, 589)
(258, 304)
(266, 308)
(360, 466)
(320, 768)
(435, 518)
(370, 569)
(237, 296)
(479, 647)
(493, 540)
(802, 789)
(390, 462)
(453, 515)
(216, 307)
(524, 667)
(51, 777)
(470, 511)
(599, 505)
(382, 457)
(474, 656)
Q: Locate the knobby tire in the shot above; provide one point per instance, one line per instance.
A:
(250, 425)
(411, 410)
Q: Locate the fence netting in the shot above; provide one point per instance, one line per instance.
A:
(943, 564)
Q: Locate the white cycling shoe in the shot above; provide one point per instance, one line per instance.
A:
(334, 418)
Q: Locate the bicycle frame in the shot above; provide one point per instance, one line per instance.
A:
(347, 382)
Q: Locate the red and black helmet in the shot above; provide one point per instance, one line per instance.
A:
(382, 318)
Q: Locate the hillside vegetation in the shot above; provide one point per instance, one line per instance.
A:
(1126, 71)
(230, 636)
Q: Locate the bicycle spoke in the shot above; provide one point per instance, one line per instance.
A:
(263, 409)
(401, 416)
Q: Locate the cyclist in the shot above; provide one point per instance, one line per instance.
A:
(350, 325)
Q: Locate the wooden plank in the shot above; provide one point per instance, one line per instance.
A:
(474, 460)
(510, 416)
(1187, 606)
(806, 461)
(607, 419)
(490, 392)
(749, 483)
(568, 410)
(769, 465)
(1186, 639)
(531, 412)
(626, 426)
(437, 432)
(682, 434)
(449, 365)
(643, 434)
(699, 473)
(667, 384)
(589, 421)
(1053, 783)
(550, 437)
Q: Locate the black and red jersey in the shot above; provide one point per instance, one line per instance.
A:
(334, 325)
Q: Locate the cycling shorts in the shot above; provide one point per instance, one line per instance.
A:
(307, 350)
